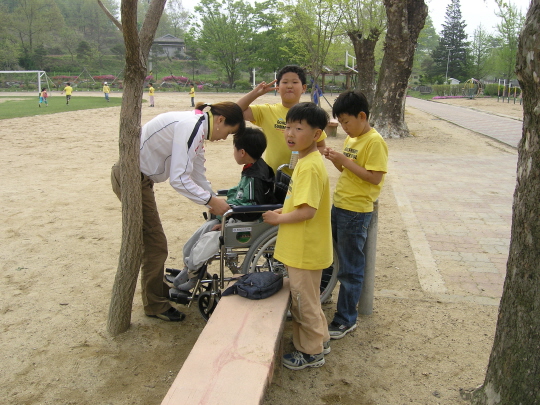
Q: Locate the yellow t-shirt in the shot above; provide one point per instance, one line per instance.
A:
(371, 152)
(68, 90)
(271, 119)
(106, 89)
(151, 91)
(192, 92)
(307, 245)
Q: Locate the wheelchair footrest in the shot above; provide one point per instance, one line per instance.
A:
(173, 272)
(178, 296)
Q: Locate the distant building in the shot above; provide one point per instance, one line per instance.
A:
(168, 46)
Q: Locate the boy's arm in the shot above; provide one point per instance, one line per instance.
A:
(260, 90)
(341, 162)
(300, 214)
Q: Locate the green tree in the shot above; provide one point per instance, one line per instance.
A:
(480, 53)
(512, 374)
(178, 18)
(427, 42)
(450, 56)
(224, 33)
(32, 22)
(271, 44)
(312, 25)
(508, 34)
(364, 21)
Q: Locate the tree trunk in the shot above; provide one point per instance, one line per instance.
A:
(406, 19)
(137, 49)
(513, 373)
(364, 50)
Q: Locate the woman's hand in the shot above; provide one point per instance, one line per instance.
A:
(218, 206)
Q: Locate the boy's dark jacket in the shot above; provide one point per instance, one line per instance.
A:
(256, 187)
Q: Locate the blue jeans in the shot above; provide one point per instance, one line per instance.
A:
(349, 231)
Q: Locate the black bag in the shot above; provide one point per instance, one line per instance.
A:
(256, 286)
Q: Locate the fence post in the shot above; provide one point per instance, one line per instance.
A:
(365, 305)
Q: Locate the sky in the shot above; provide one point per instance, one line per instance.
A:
(473, 12)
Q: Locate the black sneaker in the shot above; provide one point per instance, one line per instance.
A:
(298, 360)
(171, 315)
(337, 331)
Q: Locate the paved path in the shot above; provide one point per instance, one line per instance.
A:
(458, 209)
(504, 129)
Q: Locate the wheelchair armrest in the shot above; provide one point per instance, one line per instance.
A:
(222, 192)
(240, 209)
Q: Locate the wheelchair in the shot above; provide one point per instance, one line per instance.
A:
(245, 247)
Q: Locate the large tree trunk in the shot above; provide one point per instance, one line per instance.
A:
(513, 374)
(364, 50)
(406, 19)
(137, 49)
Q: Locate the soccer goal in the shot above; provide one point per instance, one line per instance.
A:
(40, 74)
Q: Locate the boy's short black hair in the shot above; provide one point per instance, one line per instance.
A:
(352, 103)
(292, 68)
(252, 140)
(314, 115)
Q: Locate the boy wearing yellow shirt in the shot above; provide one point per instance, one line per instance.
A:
(291, 84)
(363, 165)
(304, 240)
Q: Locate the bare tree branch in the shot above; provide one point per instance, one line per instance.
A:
(111, 17)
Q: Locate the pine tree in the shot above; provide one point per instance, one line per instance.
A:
(450, 56)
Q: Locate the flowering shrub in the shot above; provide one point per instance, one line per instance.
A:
(148, 78)
(176, 79)
(104, 78)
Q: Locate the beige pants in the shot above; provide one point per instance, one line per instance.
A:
(310, 328)
(155, 291)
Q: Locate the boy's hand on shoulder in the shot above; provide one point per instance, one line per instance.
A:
(272, 217)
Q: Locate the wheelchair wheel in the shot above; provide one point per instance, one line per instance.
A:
(207, 303)
(260, 257)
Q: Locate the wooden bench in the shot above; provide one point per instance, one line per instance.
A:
(233, 360)
(331, 128)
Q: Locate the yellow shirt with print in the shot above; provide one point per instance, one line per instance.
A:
(307, 245)
(371, 152)
(271, 119)
(151, 91)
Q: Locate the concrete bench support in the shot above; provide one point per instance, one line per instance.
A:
(331, 128)
(233, 360)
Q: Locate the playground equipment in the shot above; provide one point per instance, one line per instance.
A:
(507, 91)
(473, 88)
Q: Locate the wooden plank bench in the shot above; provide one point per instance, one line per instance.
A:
(233, 360)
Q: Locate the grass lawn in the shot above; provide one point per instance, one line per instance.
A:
(26, 106)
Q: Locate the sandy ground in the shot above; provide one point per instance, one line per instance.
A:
(60, 235)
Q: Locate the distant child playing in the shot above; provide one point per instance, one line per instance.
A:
(151, 94)
(256, 187)
(192, 95)
(304, 240)
(68, 90)
(43, 97)
(363, 165)
(291, 84)
(106, 90)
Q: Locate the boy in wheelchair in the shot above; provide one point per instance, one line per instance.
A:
(256, 187)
